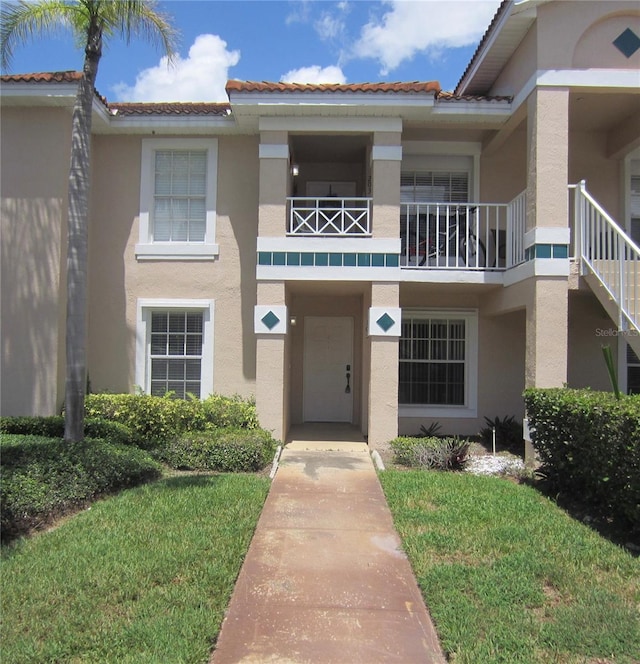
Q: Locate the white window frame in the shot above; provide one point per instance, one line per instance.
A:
(147, 249)
(145, 308)
(470, 407)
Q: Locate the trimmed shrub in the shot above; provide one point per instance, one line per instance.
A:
(45, 477)
(157, 421)
(588, 444)
(430, 452)
(53, 427)
(225, 450)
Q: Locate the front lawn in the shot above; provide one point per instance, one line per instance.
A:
(509, 577)
(141, 577)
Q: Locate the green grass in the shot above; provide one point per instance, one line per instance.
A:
(509, 577)
(141, 577)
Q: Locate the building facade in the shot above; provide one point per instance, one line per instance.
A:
(385, 255)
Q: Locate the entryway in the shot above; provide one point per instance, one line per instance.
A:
(328, 369)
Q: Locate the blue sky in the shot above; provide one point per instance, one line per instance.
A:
(306, 41)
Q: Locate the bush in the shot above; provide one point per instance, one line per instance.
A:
(226, 450)
(45, 477)
(588, 444)
(157, 421)
(53, 427)
(430, 452)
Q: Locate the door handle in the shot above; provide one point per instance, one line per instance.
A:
(347, 389)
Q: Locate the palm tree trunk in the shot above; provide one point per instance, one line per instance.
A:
(78, 244)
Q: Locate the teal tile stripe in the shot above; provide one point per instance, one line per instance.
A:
(325, 259)
(546, 251)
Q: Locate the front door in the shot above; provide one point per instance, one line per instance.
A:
(328, 369)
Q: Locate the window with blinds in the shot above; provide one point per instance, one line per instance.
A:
(179, 211)
(175, 352)
(433, 357)
(434, 187)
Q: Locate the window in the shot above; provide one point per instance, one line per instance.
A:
(174, 348)
(178, 199)
(176, 352)
(434, 187)
(179, 213)
(438, 364)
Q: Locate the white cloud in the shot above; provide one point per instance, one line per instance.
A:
(315, 74)
(201, 76)
(427, 26)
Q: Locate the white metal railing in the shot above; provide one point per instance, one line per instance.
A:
(609, 253)
(329, 216)
(469, 236)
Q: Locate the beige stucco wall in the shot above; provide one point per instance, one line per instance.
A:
(589, 329)
(118, 279)
(520, 68)
(34, 158)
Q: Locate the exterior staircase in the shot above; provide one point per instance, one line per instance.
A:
(610, 264)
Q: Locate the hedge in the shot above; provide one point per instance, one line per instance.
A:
(156, 421)
(225, 450)
(588, 444)
(53, 427)
(45, 477)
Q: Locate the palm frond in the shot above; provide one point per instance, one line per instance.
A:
(23, 21)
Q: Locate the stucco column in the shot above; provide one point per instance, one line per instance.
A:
(274, 182)
(386, 160)
(546, 333)
(548, 158)
(383, 378)
(271, 349)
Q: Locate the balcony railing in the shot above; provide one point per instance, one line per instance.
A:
(335, 217)
(470, 236)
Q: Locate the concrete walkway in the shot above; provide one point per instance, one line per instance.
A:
(325, 580)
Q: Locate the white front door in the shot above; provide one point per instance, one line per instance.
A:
(328, 358)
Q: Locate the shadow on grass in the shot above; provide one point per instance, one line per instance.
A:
(620, 532)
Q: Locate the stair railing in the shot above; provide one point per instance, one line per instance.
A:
(606, 251)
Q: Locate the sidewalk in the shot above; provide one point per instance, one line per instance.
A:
(324, 580)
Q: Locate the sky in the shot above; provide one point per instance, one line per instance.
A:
(301, 41)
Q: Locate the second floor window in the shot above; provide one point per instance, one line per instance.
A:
(179, 211)
(434, 187)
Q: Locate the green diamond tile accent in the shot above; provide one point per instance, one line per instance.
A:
(385, 322)
(270, 320)
(627, 42)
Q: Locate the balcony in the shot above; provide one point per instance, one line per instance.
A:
(329, 217)
(470, 236)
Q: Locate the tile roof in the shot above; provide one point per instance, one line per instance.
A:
(170, 108)
(452, 96)
(266, 86)
(43, 77)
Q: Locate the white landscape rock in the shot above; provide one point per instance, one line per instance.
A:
(487, 464)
